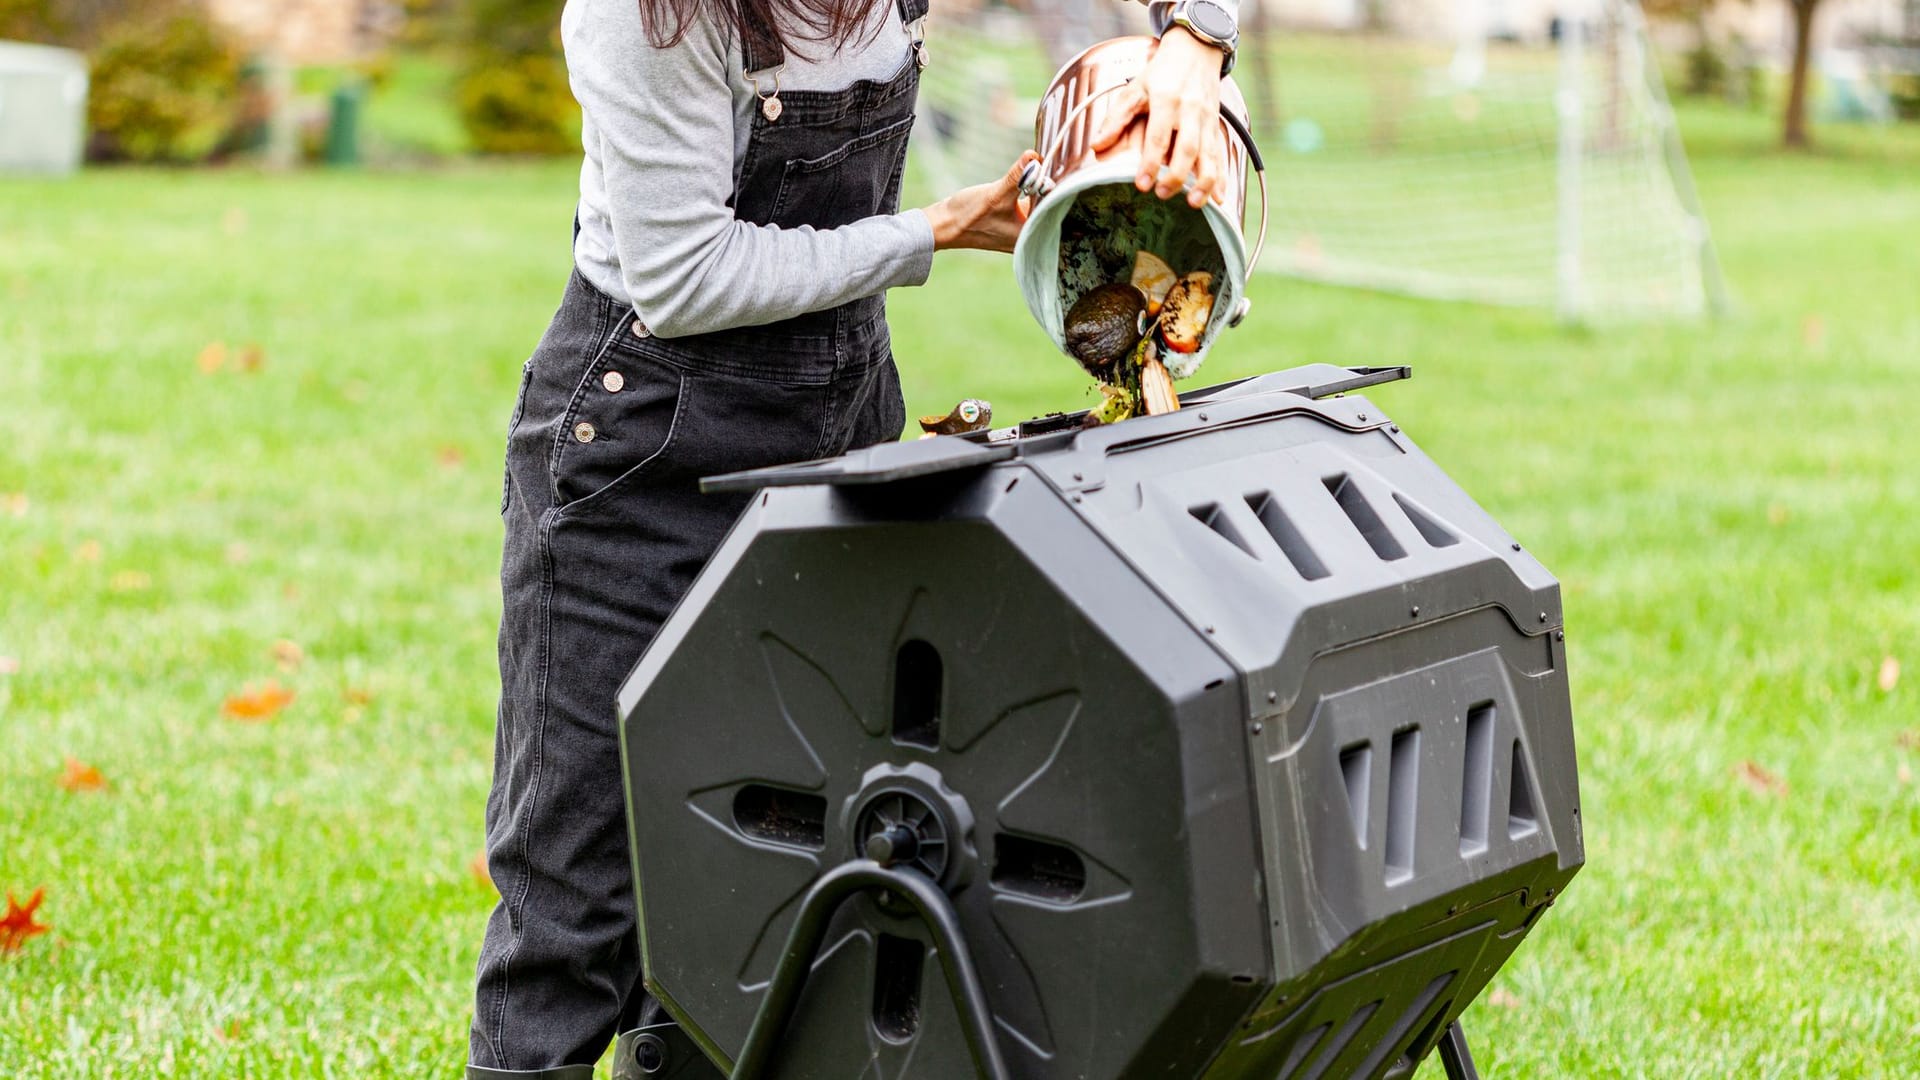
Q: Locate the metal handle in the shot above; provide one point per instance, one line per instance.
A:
(1034, 182)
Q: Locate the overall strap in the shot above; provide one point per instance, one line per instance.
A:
(767, 57)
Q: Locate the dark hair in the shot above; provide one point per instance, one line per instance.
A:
(754, 23)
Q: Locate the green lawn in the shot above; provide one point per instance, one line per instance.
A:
(1733, 510)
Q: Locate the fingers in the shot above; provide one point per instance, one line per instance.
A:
(1161, 121)
(1127, 103)
(1019, 166)
(1208, 175)
(1184, 160)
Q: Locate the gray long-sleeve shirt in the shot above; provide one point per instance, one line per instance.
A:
(665, 130)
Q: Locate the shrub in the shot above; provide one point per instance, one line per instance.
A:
(165, 87)
(513, 91)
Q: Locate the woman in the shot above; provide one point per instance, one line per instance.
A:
(737, 231)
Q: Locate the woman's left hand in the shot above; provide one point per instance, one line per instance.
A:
(1180, 93)
(985, 216)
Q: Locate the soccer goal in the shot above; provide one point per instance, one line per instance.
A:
(1516, 152)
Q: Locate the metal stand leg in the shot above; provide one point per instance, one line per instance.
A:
(1455, 1055)
(809, 934)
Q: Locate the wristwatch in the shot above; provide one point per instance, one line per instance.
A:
(1209, 21)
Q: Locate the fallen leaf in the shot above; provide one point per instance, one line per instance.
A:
(231, 1031)
(1502, 998)
(450, 456)
(1778, 514)
(212, 358)
(131, 581)
(17, 503)
(18, 924)
(359, 695)
(289, 591)
(252, 359)
(288, 655)
(88, 551)
(1889, 676)
(1759, 779)
(1813, 331)
(239, 553)
(1904, 773)
(477, 866)
(80, 776)
(9, 665)
(1906, 740)
(256, 703)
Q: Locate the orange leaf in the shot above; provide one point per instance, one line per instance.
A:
(450, 456)
(1889, 676)
(212, 358)
(477, 866)
(288, 655)
(1502, 998)
(359, 695)
(1906, 740)
(257, 703)
(16, 503)
(18, 924)
(252, 359)
(1759, 779)
(80, 776)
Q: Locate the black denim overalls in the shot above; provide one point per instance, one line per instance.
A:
(605, 530)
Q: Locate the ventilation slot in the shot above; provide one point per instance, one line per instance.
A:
(1428, 1037)
(1210, 515)
(1301, 1048)
(1292, 544)
(1341, 1038)
(1521, 820)
(778, 816)
(1356, 768)
(1431, 531)
(1403, 786)
(1361, 513)
(917, 675)
(896, 987)
(1476, 783)
(1038, 869)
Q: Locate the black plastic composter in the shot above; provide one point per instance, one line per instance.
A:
(1231, 743)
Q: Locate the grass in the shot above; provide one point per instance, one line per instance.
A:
(1732, 510)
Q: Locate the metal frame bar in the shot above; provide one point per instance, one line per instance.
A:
(809, 934)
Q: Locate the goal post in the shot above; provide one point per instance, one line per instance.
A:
(1518, 152)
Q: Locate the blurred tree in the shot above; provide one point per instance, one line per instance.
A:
(76, 24)
(1794, 131)
(513, 94)
(165, 86)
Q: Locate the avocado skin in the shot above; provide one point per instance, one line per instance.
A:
(1104, 325)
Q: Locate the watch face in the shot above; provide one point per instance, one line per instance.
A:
(1212, 20)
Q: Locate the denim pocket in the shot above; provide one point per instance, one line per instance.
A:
(624, 415)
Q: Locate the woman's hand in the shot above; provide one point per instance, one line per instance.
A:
(982, 216)
(1180, 93)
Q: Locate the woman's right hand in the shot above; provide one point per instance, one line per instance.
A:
(983, 217)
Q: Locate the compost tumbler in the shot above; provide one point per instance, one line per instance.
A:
(1230, 743)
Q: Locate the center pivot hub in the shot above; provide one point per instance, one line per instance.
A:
(904, 816)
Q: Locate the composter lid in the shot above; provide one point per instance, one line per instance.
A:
(1036, 257)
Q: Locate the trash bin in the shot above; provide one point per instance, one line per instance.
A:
(1229, 743)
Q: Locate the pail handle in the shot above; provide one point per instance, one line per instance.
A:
(1033, 179)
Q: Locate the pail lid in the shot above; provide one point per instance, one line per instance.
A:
(1050, 293)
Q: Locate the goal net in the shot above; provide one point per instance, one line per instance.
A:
(1503, 151)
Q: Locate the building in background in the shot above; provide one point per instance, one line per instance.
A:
(312, 31)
